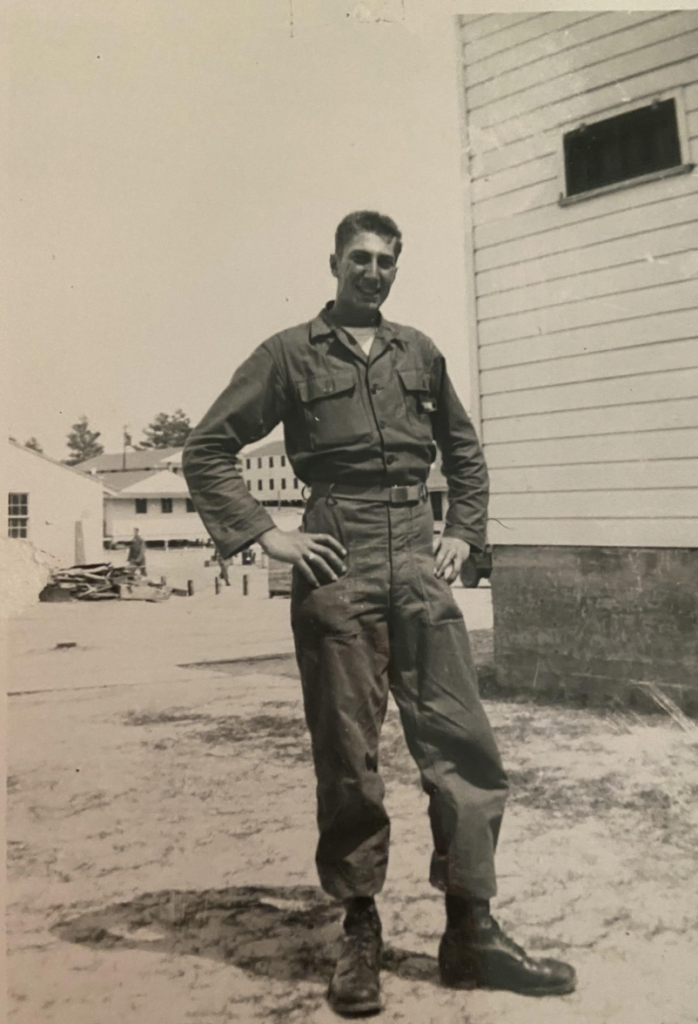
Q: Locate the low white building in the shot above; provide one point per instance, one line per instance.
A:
(55, 508)
(157, 504)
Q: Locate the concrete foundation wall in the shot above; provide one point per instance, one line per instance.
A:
(592, 623)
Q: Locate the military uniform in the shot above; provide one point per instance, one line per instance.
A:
(361, 431)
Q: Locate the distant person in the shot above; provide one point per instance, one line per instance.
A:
(364, 403)
(136, 552)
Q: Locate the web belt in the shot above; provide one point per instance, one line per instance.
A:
(397, 494)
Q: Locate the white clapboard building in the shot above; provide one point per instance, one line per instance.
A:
(54, 508)
(580, 136)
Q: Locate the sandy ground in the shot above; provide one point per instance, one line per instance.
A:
(161, 836)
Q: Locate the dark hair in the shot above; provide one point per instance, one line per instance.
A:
(366, 220)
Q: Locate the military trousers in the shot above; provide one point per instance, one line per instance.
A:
(389, 625)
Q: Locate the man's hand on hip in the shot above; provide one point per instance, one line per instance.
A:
(450, 553)
(319, 556)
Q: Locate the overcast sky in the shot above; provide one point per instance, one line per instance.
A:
(177, 172)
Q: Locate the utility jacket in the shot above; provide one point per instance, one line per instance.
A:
(347, 418)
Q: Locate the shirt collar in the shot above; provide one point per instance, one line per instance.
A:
(322, 327)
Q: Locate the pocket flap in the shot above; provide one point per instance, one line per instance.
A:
(415, 379)
(326, 386)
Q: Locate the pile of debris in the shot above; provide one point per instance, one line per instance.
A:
(99, 582)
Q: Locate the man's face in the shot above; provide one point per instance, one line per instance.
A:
(365, 271)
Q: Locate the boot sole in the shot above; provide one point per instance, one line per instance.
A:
(356, 1009)
(468, 985)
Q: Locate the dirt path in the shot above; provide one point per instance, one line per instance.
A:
(161, 862)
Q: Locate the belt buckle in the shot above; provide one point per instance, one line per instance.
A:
(399, 495)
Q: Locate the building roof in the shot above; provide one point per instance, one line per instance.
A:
(117, 482)
(160, 484)
(113, 462)
(269, 448)
(54, 462)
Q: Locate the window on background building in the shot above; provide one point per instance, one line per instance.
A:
(17, 515)
(283, 483)
(437, 505)
(249, 485)
(621, 148)
(295, 483)
(190, 505)
(141, 506)
(260, 485)
(271, 462)
(271, 483)
(283, 460)
(259, 463)
(248, 463)
(165, 504)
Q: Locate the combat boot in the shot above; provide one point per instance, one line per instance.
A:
(355, 986)
(475, 953)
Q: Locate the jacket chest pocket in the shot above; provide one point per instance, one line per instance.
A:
(334, 410)
(419, 401)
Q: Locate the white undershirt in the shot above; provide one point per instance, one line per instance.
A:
(364, 337)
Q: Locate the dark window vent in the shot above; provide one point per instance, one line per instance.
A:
(620, 148)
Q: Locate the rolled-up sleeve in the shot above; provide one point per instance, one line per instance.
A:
(463, 464)
(249, 408)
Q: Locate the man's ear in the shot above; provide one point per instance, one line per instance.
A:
(333, 264)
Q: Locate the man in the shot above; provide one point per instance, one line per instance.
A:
(364, 403)
(136, 552)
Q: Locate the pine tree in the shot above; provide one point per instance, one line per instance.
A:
(82, 442)
(167, 431)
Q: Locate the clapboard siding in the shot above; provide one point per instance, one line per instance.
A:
(614, 419)
(498, 32)
(641, 446)
(560, 32)
(560, 69)
(567, 114)
(593, 394)
(485, 162)
(595, 366)
(596, 532)
(647, 246)
(642, 274)
(607, 310)
(529, 223)
(606, 476)
(665, 503)
(624, 227)
(529, 173)
(587, 315)
(570, 87)
(632, 333)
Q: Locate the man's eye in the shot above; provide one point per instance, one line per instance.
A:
(361, 257)
(386, 264)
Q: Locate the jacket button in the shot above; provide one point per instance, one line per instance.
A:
(375, 388)
(391, 459)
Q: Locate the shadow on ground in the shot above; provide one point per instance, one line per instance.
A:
(287, 933)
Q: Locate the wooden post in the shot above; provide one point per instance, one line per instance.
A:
(190, 588)
(217, 584)
(79, 543)
(245, 585)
